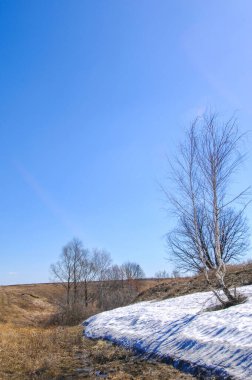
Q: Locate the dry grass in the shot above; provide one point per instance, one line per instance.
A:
(31, 351)
(62, 354)
(27, 305)
(237, 275)
(38, 353)
(27, 349)
(117, 363)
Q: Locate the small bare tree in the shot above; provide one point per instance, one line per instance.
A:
(73, 271)
(78, 255)
(116, 274)
(162, 274)
(62, 272)
(210, 231)
(175, 273)
(132, 271)
(101, 260)
(88, 273)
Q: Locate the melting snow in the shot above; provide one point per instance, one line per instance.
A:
(180, 331)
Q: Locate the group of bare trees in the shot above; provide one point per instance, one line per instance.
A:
(89, 279)
(211, 227)
(162, 274)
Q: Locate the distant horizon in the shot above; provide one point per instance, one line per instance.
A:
(158, 279)
(95, 96)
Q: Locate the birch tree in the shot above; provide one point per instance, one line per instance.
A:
(211, 230)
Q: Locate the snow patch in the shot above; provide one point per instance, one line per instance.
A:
(179, 331)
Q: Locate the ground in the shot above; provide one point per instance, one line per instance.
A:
(30, 348)
(238, 275)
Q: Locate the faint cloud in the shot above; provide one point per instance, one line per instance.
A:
(200, 111)
(12, 273)
(46, 199)
(197, 111)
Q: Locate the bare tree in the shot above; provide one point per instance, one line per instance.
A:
(77, 254)
(162, 274)
(132, 271)
(72, 270)
(88, 272)
(210, 231)
(101, 260)
(175, 273)
(62, 272)
(116, 274)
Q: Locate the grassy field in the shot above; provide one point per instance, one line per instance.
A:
(31, 348)
(38, 353)
(28, 349)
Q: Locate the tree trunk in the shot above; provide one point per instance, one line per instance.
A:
(85, 293)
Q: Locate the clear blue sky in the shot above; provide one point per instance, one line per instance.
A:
(93, 95)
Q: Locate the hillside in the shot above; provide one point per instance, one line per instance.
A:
(32, 348)
(237, 275)
(33, 304)
(186, 332)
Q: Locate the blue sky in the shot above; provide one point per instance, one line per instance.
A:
(93, 96)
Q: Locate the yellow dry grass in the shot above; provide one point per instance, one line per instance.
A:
(31, 351)
(28, 350)
(25, 305)
(37, 353)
